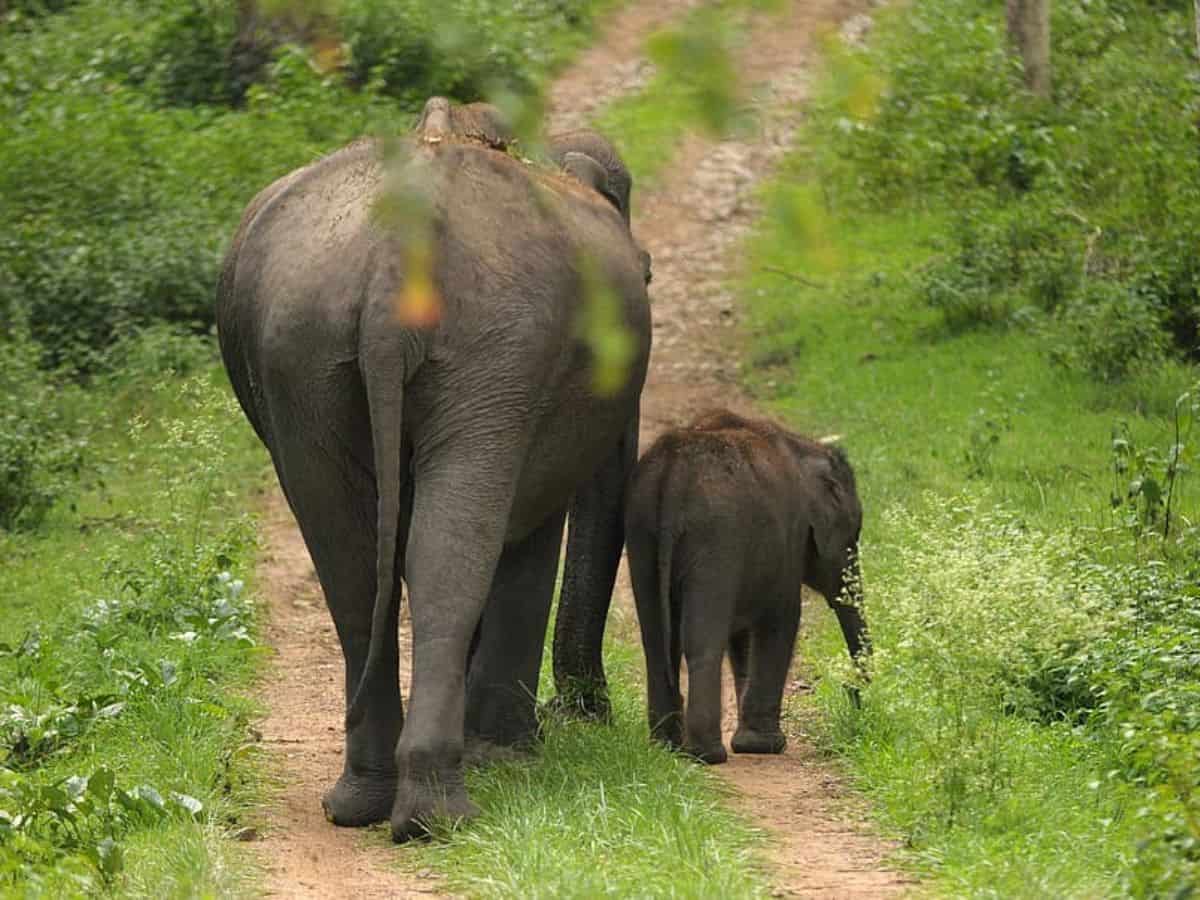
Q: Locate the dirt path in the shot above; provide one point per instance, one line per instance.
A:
(701, 210)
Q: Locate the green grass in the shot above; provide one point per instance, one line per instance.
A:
(115, 603)
(1002, 739)
(600, 812)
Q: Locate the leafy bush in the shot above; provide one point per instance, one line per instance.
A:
(1111, 332)
(193, 45)
(1103, 184)
(980, 621)
(466, 49)
(38, 456)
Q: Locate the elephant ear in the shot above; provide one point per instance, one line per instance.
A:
(587, 171)
(600, 149)
(837, 513)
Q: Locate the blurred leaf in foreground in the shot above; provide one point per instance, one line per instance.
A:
(603, 332)
(698, 55)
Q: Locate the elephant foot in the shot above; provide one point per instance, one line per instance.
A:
(421, 804)
(481, 752)
(581, 700)
(712, 755)
(668, 730)
(359, 800)
(747, 740)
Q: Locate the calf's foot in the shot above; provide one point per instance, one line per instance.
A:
(359, 800)
(747, 740)
(712, 754)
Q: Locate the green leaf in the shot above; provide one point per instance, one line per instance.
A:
(101, 784)
(109, 857)
(191, 804)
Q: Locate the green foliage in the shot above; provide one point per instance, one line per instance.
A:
(1146, 478)
(129, 665)
(78, 815)
(39, 456)
(22, 13)
(980, 622)
(1111, 332)
(1066, 205)
(192, 47)
(124, 170)
(466, 50)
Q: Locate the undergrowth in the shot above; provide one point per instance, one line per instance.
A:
(993, 300)
(127, 633)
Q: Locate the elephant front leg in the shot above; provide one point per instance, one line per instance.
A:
(595, 536)
(502, 680)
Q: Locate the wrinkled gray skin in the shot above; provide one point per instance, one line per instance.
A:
(725, 520)
(445, 454)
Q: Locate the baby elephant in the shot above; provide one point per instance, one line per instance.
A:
(725, 520)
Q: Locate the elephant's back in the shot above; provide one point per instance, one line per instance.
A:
(729, 484)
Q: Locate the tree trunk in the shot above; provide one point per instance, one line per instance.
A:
(1029, 33)
(1197, 4)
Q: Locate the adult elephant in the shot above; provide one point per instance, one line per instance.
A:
(445, 451)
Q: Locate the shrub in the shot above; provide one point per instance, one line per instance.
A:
(992, 259)
(38, 456)
(1110, 333)
(981, 621)
(193, 48)
(1103, 183)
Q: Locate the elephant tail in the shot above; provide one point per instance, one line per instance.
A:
(665, 552)
(383, 373)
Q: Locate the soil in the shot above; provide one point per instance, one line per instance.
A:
(698, 211)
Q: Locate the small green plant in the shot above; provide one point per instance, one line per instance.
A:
(1111, 333)
(78, 815)
(1146, 478)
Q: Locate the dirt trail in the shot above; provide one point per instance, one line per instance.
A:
(700, 209)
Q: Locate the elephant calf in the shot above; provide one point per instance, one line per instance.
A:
(724, 521)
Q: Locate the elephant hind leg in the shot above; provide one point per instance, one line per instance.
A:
(334, 505)
(461, 507)
(660, 640)
(506, 658)
(708, 599)
(772, 642)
